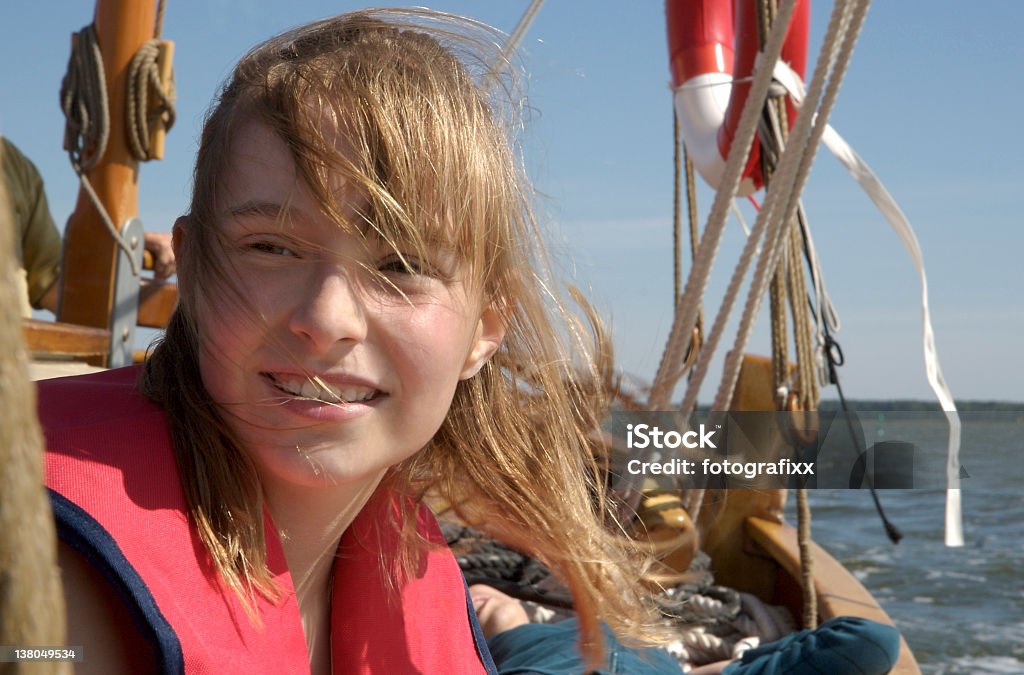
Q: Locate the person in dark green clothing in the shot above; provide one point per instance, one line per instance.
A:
(26, 211)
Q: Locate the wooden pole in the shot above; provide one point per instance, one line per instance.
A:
(90, 253)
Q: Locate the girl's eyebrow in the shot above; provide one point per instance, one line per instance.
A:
(267, 209)
(281, 213)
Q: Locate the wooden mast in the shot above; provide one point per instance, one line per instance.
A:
(90, 253)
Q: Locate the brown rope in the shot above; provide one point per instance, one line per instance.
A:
(810, 390)
(158, 27)
(144, 87)
(788, 282)
(780, 345)
(691, 203)
(688, 172)
(810, 616)
(677, 217)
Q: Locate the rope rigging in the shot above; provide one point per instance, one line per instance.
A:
(779, 208)
(781, 242)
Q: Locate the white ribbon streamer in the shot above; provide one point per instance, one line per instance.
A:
(887, 206)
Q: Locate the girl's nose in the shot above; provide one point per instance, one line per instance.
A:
(329, 311)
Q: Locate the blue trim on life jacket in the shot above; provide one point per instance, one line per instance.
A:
(80, 531)
(479, 641)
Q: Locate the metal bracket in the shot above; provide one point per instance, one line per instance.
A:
(125, 311)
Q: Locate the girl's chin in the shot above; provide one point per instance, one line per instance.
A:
(316, 463)
(307, 472)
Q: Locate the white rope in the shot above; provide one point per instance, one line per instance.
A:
(673, 360)
(704, 647)
(744, 645)
(790, 181)
(511, 44)
(758, 623)
(739, 216)
(772, 623)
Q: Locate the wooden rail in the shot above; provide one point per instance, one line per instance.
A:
(64, 339)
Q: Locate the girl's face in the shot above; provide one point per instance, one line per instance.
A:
(389, 342)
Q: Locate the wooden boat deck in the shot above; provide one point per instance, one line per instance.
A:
(839, 593)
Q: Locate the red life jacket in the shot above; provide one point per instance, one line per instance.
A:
(118, 501)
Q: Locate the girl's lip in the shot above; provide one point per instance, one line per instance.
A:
(340, 380)
(320, 410)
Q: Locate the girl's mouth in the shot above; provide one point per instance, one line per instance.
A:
(319, 390)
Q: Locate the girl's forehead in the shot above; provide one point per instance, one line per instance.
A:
(255, 150)
(261, 169)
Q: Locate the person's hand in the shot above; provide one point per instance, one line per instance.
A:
(496, 611)
(159, 246)
(710, 669)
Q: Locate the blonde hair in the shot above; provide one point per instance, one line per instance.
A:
(432, 151)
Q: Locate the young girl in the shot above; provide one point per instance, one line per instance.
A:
(361, 319)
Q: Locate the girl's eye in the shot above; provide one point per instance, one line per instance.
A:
(403, 265)
(272, 249)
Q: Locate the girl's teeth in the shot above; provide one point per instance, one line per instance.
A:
(326, 392)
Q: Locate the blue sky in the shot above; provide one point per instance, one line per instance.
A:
(932, 101)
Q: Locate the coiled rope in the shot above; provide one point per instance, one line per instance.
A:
(83, 98)
(144, 85)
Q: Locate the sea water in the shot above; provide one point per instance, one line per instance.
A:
(961, 610)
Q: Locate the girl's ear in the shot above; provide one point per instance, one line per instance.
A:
(178, 234)
(490, 331)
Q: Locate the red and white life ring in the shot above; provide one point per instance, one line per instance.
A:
(712, 47)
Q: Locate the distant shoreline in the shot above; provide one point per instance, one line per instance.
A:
(915, 405)
(911, 405)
